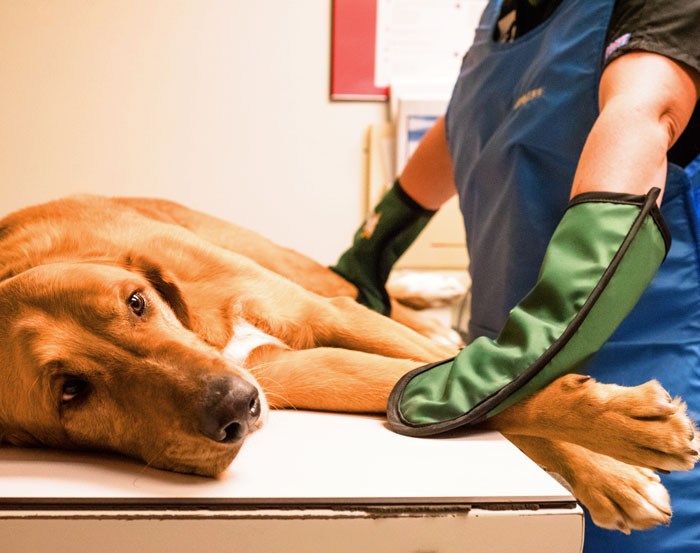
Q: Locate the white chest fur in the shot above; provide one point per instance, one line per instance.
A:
(246, 338)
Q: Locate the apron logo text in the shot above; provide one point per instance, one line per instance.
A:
(528, 97)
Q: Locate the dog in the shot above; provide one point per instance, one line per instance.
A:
(142, 327)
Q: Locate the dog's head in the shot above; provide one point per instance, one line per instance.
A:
(100, 356)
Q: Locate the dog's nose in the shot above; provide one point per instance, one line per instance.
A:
(232, 406)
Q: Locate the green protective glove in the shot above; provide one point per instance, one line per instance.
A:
(379, 243)
(602, 255)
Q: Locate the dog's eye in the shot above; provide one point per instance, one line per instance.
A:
(137, 303)
(72, 389)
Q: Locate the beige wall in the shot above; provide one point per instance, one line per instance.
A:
(218, 104)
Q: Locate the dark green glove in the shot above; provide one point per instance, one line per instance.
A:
(379, 243)
(604, 253)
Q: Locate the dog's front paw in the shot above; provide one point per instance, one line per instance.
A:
(429, 327)
(660, 434)
(639, 425)
(633, 499)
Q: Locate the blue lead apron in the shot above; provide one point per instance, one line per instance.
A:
(516, 125)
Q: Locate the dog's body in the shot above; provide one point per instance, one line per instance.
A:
(134, 325)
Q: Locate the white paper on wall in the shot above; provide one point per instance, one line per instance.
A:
(423, 41)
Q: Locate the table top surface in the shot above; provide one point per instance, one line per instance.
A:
(298, 458)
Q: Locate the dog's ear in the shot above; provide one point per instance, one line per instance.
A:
(165, 284)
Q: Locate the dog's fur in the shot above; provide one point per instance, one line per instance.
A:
(143, 327)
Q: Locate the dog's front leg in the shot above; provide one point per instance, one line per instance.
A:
(353, 326)
(305, 320)
(328, 379)
(639, 425)
(618, 496)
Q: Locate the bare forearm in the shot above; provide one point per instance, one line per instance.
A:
(427, 176)
(646, 102)
(625, 152)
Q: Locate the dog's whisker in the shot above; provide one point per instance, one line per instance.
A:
(263, 367)
(157, 455)
(150, 462)
(286, 403)
(268, 384)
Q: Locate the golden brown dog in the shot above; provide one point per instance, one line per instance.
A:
(142, 327)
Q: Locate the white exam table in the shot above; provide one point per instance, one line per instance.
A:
(307, 482)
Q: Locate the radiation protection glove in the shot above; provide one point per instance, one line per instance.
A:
(396, 222)
(601, 257)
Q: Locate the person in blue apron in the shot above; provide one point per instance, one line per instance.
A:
(570, 123)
